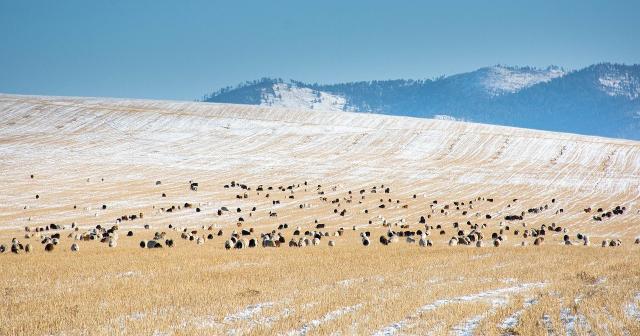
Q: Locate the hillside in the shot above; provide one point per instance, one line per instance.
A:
(102, 192)
(598, 100)
(137, 139)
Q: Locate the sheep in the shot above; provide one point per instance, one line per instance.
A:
(453, 241)
(74, 247)
(637, 242)
(242, 243)
(200, 241)
(228, 244)
(293, 243)
(49, 247)
(143, 244)
(411, 240)
(538, 241)
(27, 248)
(16, 247)
(423, 242)
(268, 243)
(113, 243)
(496, 243)
(479, 243)
(332, 243)
(365, 241)
(605, 243)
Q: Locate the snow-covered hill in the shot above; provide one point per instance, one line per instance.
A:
(88, 151)
(598, 100)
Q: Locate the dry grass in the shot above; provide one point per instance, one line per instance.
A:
(197, 290)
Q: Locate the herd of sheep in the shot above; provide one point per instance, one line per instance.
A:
(467, 234)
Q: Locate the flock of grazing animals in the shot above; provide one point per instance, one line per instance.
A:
(464, 234)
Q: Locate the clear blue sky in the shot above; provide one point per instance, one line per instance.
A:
(183, 49)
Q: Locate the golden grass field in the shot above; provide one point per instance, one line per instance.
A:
(91, 152)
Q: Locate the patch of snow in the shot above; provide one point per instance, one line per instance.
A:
(448, 117)
(569, 321)
(128, 274)
(248, 312)
(512, 320)
(467, 328)
(546, 319)
(501, 80)
(631, 309)
(332, 315)
(290, 96)
(620, 85)
(496, 296)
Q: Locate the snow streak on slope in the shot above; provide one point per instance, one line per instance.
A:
(501, 80)
(290, 96)
(620, 85)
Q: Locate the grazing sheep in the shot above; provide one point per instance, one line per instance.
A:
(365, 241)
(637, 241)
(453, 241)
(130, 234)
(266, 243)
(74, 247)
(113, 243)
(143, 243)
(200, 241)
(422, 242)
(27, 248)
(293, 243)
(479, 243)
(538, 241)
(605, 243)
(228, 244)
(242, 243)
(411, 240)
(332, 243)
(16, 247)
(49, 247)
(496, 243)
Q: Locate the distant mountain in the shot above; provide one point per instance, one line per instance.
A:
(602, 99)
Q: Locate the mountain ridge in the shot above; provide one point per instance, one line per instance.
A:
(601, 99)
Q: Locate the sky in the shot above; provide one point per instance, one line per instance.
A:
(185, 49)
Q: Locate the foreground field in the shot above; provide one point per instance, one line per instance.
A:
(79, 163)
(346, 289)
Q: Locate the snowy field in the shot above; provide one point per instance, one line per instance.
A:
(82, 162)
